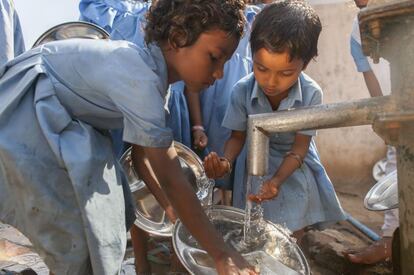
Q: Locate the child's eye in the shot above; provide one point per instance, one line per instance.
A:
(213, 58)
(287, 74)
(262, 69)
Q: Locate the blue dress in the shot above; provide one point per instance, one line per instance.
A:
(214, 100)
(60, 183)
(124, 20)
(307, 197)
(11, 37)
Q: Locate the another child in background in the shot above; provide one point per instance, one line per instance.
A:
(11, 37)
(60, 185)
(378, 81)
(297, 189)
(215, 99)
(122, 19)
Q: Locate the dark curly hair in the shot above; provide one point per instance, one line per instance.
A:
(181, 22)
(291, 25)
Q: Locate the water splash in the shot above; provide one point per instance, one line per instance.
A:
(275, 251)
(205, 191)
(254, 223)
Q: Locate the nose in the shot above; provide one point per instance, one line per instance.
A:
(272, 80)
(218, 71)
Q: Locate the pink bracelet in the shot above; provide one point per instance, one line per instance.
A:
(198, 128)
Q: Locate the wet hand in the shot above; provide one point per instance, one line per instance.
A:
(268, 191)
(200, 139)
(234, 263)
(215, 167)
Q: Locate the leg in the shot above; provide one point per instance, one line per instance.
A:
(380, 250)
(176, 266)
(375, 253)
(227, 197)
(140, 245)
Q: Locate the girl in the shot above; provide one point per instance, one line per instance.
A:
(298, 191)
(125, 20)
(59, 182)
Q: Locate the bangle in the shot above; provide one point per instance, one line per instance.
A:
(229, 165)
(297, 157)
(198, 128)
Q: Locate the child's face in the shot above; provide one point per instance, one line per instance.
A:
(275, 72)
(200, 64)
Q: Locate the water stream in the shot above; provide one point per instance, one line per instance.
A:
(254, 224)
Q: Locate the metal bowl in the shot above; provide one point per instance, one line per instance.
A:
(150, 216)
(277, 253)
(384, 194)
(69, 30)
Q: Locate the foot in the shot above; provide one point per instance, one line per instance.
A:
(377, 252)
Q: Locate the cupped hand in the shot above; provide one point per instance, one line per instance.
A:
(215, 167)
(268, 191)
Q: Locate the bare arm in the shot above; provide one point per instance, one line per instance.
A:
(234, 145)
(194, 107)
(217, 167)
(199, 136)
(143, 167)
(166, 166)
(289, 164)
(372, 83)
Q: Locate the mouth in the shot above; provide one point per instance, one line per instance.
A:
(270, 91)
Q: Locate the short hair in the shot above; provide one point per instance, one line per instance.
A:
(291, 25)
(181, 22)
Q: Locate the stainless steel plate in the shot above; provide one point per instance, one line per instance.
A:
(150, 216)
(384, 194)
(72, 30)
(276, 254)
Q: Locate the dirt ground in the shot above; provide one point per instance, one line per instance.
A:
(323, 249)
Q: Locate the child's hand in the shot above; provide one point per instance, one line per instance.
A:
(269, 190)
(200, 139)
(215, 167)
(233, 263)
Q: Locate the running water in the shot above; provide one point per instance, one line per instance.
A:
(254, 224)
(274, 253)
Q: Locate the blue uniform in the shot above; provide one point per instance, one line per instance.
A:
(11, 38)
(125, 20)
(60, 183)
(215, 99)
(122, 19)
(307, 197)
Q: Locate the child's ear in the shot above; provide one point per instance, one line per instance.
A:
(177, 38)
